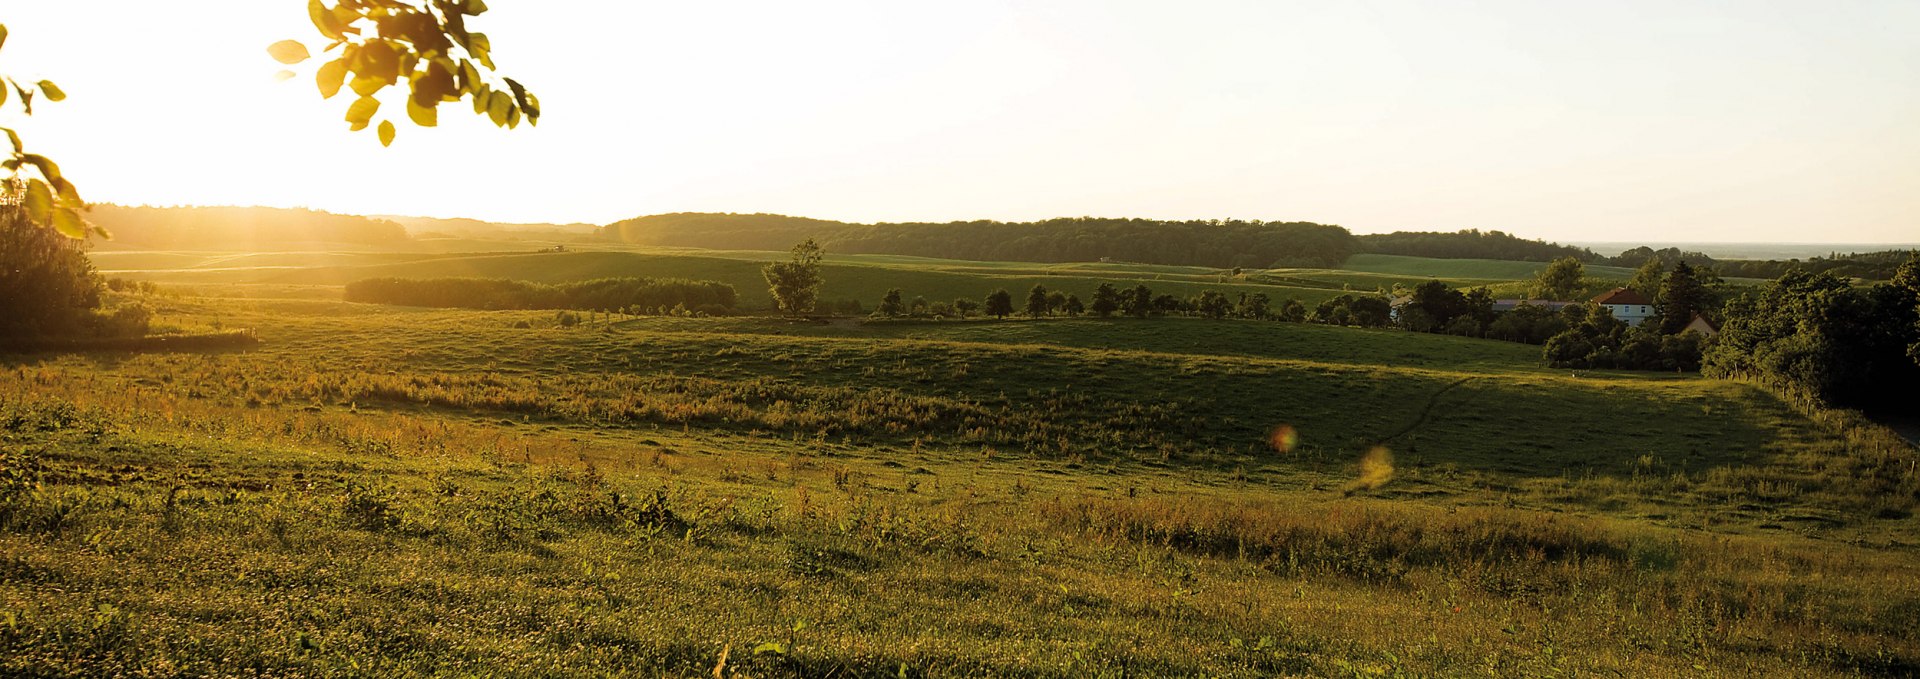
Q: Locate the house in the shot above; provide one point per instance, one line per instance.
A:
(1626, 305)
(1701, 325)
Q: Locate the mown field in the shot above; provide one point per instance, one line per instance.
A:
(391, 491)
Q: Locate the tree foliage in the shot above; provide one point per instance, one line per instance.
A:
(47, 285)
(424, 45)
(1214, 243)
(46, 196)
(1564, 279)
(999, 303)
(1818, 335)
(795, 284)
(1469, 244)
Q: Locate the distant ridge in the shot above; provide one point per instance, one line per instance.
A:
(1211, 243)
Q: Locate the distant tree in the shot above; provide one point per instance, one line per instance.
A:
(50, 286)
(1648, 278)
(891, 306)
(1292, 311)
(1212, 304)
(1563, 279)
(919, 307)
(1434, 305)
(1056, 302)
(1106, 300)
(1037, 303)
(1819, 335)
(1370, 311)
(943, 310)
(999, 304)
(1072, 306)
(1254, 305)
(1169, 304)
(1681, 297)
(1138, 302)
(965, 307)
(795, 284)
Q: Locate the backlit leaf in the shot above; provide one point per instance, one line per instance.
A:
(66, 193)
(475, 8)
(386, 133)
(288, 51)
(52, 91)
(497, 105)
(324, 20)
(39, 202)
(47, 168)
(361, 112)
(69, 223)
(12, 137)
(3, 35)
(284, 75)
(366, 85)
(424, 116)
(330, 76)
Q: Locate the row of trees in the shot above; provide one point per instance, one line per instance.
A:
(1214, 243)
(1877, 266)
(1816, 334)
(1469, 244)
(633, 295)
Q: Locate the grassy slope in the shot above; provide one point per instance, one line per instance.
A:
(1019, 498)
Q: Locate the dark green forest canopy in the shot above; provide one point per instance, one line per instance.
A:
(1224, 244)
(231, 227)
(1470, 244)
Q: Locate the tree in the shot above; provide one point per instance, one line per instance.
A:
(999, 303)
(1056, 302)
(49, 284)
(1137, 302)
(1292, 311)
(1037, 305)
(1213, 305)
(1254, 306)
(965, 306)
(1072, 306)
(795, 284)
(1647, 279)
(1563, 279)
(48, 199)
(1106, 300)
(1681, 297)
(890, 305)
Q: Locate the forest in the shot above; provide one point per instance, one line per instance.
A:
(637, 295)
(231, 227)
(1214, 243)
(1470, 244)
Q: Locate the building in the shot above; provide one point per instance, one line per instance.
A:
(1626, 305)
(1701, 325)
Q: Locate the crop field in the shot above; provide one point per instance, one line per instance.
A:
(377, 490)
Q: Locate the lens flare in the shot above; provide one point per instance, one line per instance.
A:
(1285, 438)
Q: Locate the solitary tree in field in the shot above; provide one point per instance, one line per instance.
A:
(1000, 303)
(891, 306)
(1072, 306)
(1564, 279)
(1037, 302)
(1106, 300)
(795, 284)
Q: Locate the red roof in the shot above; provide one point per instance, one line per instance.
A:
(1621, 296)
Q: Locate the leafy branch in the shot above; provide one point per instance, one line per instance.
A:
(50, 199)
(425, 44)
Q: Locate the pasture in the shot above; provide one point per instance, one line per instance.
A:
(386, 490)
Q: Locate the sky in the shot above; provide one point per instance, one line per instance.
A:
(1653, 121)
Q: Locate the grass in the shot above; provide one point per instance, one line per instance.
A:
(380, 490)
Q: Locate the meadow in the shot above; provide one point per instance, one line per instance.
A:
(402, 491)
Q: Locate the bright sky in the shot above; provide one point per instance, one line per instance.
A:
(1650, 120)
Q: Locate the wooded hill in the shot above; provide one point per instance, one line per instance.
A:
(1224, 244)
(229, 228)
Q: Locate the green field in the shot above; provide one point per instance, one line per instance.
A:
(377, 490)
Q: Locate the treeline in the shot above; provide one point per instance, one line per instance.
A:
(1876, 266)
(630, 295)
(1470, 244)
(1211, 243)
(237, 228)
(1816, 335)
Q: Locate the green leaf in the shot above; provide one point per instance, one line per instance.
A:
(26, 96)
(39, 202)
(770, 647)
(47, 168)
(470, 79)
(69, 223)
(66, 194)
(12, 137)
(424, 116)
(482, 98)
(361, 112)
(497, 106)
(481, 48)
(288, 52)
(365, 85)
(330, 76)
(52, 91)
(473, 8)
(386, 133)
